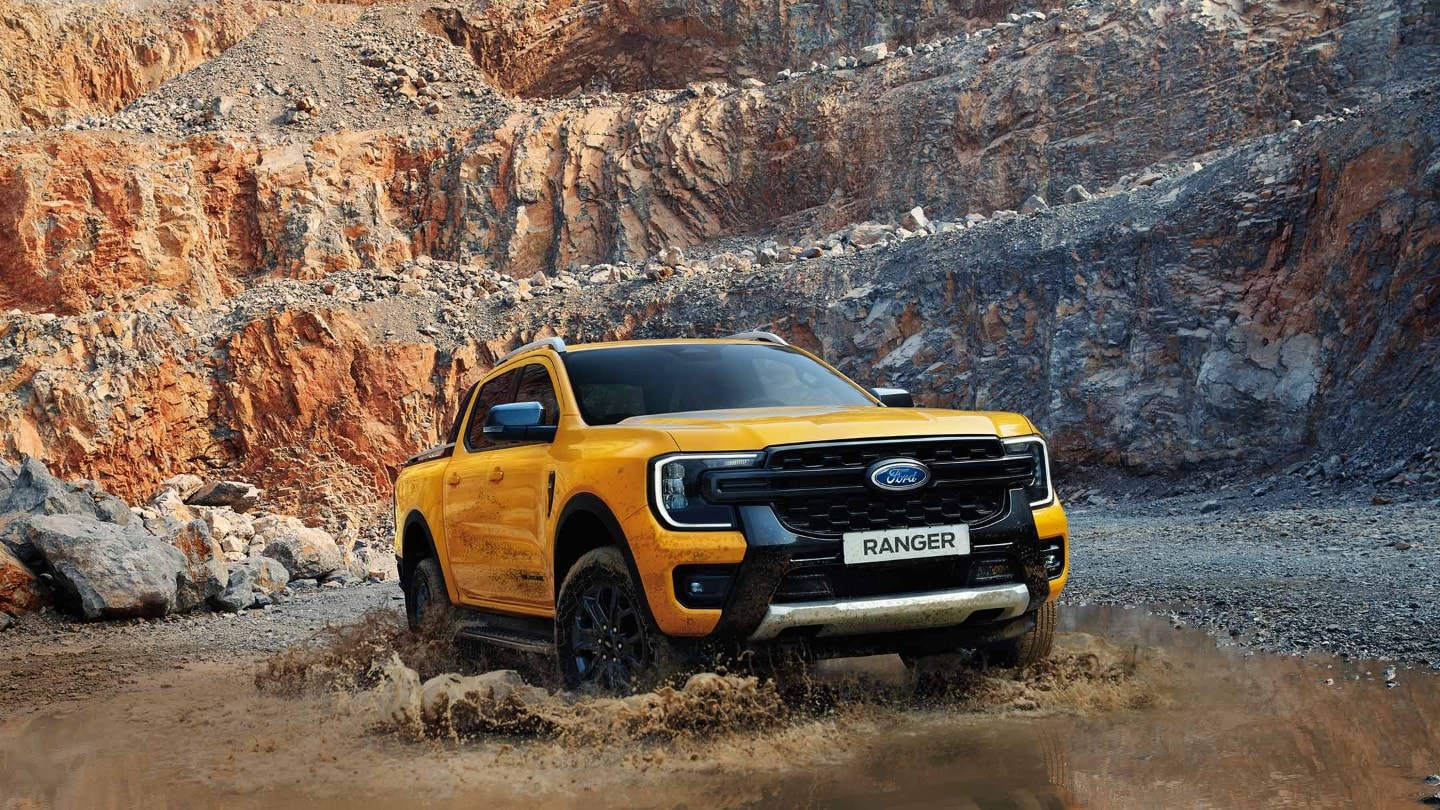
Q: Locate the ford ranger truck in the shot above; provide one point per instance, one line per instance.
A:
(621, 505)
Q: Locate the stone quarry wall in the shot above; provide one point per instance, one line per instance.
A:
(974, 125)
(301, 303)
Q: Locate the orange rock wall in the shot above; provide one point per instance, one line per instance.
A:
(66, 61)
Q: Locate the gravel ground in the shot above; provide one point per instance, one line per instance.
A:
(1286, 571)
(49, 659)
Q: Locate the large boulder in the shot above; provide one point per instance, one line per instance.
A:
(249, 581)
(237, 495)
(306, 553)
(104, 570)
(871, 54)
(19, 589)
(915, 219)
(268, 527)
(35, 491)
(206, 575)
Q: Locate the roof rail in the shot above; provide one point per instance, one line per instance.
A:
(768, 337)
(553, 342)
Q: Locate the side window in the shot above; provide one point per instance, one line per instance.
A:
(495, 392)
(536, 386)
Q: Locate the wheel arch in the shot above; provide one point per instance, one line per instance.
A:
(585, 524)
(417, 544)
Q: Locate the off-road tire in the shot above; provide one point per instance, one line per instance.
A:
(426, 593)
(1031, 648)
(605, 639)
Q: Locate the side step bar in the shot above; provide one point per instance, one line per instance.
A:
(524, 633)
(507, 639)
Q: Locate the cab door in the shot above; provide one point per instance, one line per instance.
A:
(502, 503)
(469, 495)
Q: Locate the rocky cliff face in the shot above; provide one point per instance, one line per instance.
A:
(63, 61)
(288, 262)
(1281, 296)
(976, 123)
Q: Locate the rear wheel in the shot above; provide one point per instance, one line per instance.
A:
(426, 598)
(1031, 648)
(603, 634)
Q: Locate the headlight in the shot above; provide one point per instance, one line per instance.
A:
(1039, 489)
(675, 489)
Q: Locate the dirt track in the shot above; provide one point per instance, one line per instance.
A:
(1290, 572)
(1141, 716)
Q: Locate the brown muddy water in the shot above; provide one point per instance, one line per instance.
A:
(1134, 714)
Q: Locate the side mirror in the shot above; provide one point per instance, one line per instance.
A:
(894, 397)
(518, 422)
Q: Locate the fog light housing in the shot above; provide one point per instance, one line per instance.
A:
(986, 572)
(703, 586)
(1054, 557)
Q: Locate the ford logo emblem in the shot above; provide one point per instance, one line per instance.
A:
(898, 475)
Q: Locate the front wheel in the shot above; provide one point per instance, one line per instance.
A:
(1031, 648)
(603, 635)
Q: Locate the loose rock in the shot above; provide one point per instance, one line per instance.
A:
(19, 589)
(915, 219)
(871, 54)
(237, 495)
(1034, 204)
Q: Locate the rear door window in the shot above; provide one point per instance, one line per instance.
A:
(494, 392)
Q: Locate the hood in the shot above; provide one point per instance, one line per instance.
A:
(757, 428)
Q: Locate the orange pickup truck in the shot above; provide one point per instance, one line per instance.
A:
(621, 505)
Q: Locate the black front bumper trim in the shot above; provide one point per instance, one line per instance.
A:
(774, 551)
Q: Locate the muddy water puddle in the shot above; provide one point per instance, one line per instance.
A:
(1134, 714)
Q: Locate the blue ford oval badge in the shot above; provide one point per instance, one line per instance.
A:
(898, 474)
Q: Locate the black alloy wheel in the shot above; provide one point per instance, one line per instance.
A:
(608, 641)
(604, 637)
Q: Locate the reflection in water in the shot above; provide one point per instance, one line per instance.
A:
(1227, 730)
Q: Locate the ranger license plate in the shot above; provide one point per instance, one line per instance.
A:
(906, 544)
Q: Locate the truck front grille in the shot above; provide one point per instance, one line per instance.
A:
(820, 490)
(834, 515)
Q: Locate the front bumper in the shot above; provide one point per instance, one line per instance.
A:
(764, 604)
(850, 617)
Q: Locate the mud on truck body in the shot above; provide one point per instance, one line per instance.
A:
(621, 505)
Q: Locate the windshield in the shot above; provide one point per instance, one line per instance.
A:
(617, 383)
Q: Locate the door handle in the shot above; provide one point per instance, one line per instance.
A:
(497, 474)
(454, 478)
